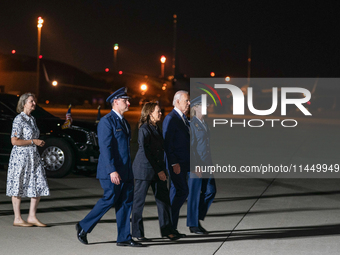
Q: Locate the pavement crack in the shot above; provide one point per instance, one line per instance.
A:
(238, 223)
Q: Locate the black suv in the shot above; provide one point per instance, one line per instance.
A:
(64, 149)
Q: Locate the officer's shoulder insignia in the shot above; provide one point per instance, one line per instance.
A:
(196, 125)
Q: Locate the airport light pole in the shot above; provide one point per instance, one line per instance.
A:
(115, 50)
(163, 59)
(39, 25)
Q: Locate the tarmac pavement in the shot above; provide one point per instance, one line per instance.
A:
(248, 216)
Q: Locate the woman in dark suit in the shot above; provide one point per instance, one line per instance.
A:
(149, 169)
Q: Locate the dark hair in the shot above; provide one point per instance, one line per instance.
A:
(148, 108)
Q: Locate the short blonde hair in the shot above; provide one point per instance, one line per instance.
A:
(23, 100)
(193, 110)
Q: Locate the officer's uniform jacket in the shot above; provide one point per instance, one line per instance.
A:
(114, 144)
(199, 144)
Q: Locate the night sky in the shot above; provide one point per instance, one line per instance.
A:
(288, 39)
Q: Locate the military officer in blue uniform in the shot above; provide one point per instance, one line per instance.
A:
(202, 187)
(114, 172)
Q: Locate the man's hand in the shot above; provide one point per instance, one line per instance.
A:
(115, 178)
(162, 176)
(176, 168)
(198, 173)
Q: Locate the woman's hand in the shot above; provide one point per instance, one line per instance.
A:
(176, 168)
(162, 176)
(39, 142)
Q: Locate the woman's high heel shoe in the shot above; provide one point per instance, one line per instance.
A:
(172, 237)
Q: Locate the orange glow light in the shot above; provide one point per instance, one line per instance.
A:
(40, 22)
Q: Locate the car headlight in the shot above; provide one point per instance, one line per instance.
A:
(80, 135)
(91, 138)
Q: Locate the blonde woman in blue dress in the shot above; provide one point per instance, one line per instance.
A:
(26, 175)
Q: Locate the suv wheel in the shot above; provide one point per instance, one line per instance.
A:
(57, 157)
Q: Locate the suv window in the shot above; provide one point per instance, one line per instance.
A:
(4, 110)
(41, 113)
(8, 106)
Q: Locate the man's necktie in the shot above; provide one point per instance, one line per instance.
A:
(125, 125)
(187, 123)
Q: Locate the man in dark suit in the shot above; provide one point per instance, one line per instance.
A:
(202, 187)
(177, 147)
(114, 172)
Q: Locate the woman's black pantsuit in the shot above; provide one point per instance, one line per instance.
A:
(149, 161)
(161, 192)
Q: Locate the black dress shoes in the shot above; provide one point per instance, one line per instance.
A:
(130, 243)
(203, 229)
(81, 234)
(196, 230)
(179, 234)
(143, 239)
(172, 237)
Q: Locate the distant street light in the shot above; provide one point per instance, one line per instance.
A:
(212, 74)
(115, 50)
(54, 83)
(143, 87)
(39, 25)
(163, 59)
(13, 51)
(227, 78)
